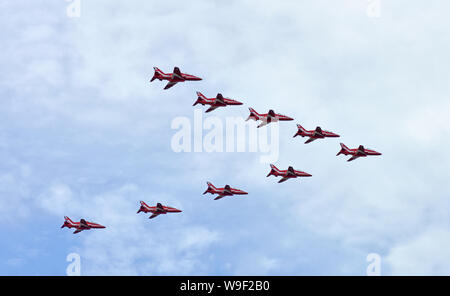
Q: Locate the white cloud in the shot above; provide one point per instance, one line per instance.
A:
(425, 254)
(15, 191)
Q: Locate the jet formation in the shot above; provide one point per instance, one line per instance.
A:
(220, 101)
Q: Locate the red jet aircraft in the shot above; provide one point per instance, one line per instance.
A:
(174, 77)
(286, 174)
(359, 152)
(226, 191)
(318, 133)
(271, 116)
(80, 226)
(218, 101)
(158, 210)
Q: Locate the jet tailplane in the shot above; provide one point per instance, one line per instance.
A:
(158, 74)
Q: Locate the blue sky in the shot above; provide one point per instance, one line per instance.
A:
(84, 134)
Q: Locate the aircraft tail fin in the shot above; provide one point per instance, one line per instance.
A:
(344, 149)
(67, 222)
(158, 74)
(273, 170)
(210, 188)
(300, 130)
(253, 114)
(67, 219)
(142, 208)
(200, 99)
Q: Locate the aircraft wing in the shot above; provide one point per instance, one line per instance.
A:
(178, 76)
(212, 108)
(78, 230)
(317, 134)
(310, 140)
(170, 84)
(283, 179)
(353, 157)
(220, 101)
(263, 123)
(84, 224)
(291, 173)
(154, 215)
(219, 197)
